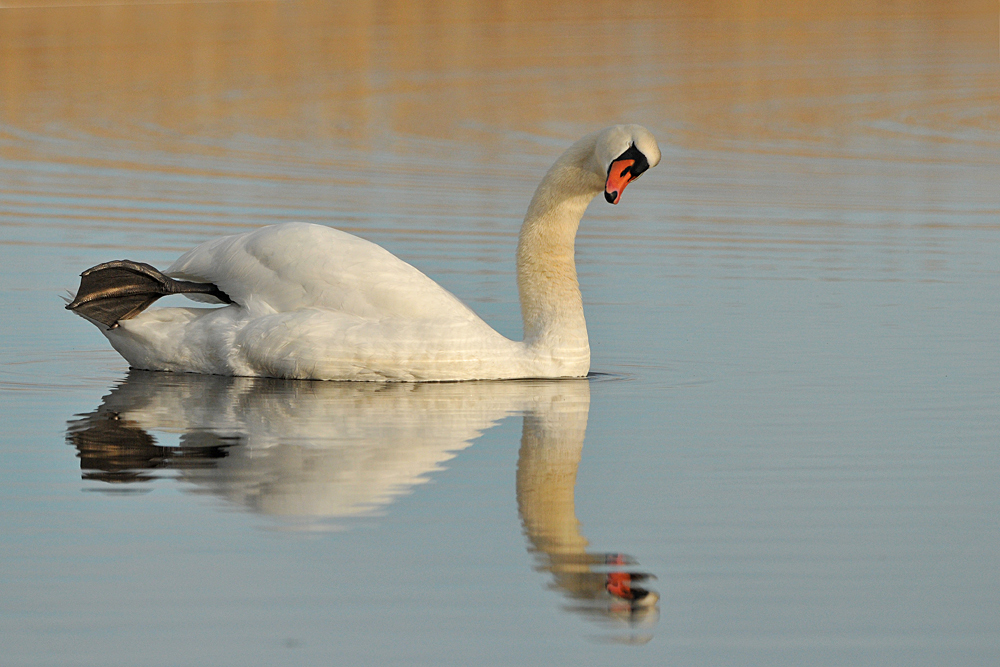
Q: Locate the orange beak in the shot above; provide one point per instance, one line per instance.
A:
(619, 175)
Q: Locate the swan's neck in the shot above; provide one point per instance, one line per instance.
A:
(546, 270)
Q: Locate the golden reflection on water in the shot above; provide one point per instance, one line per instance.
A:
(715, 71)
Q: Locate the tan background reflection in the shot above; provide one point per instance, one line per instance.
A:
(711, 70)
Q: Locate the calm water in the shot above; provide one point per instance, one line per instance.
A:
(795, 318)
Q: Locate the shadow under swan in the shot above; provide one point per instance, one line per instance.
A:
(315, 452)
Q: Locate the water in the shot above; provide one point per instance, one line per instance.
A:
(794, 318)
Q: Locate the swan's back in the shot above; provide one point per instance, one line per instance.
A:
(288, 267)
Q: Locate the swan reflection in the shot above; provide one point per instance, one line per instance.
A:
(313, 453)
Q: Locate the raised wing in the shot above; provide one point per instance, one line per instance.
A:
(298, 265)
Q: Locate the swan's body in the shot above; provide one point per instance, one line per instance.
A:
(316, 302)
(313, 302)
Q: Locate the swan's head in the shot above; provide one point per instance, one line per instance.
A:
(623, 153)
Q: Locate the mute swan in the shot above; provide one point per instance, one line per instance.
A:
(311, 302)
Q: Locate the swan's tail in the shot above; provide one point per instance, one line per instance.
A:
(122, 289)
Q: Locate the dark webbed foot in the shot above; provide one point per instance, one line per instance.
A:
(122, 289)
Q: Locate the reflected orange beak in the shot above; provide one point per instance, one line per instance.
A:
(619, 584)
(619, 175)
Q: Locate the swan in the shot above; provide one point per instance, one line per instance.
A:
(306, 301)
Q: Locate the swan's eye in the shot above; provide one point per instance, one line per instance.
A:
(639, 162)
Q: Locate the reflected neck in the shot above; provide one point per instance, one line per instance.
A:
(551, 446)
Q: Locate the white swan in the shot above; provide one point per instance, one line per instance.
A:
(311, 302)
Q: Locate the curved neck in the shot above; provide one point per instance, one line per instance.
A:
(551, 304)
